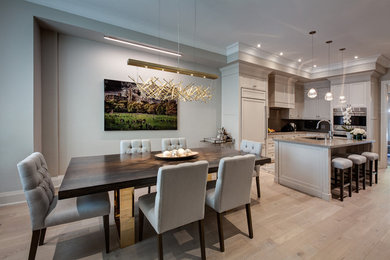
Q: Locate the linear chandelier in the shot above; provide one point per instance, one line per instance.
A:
(143, 46)
(169, 90)
(161, 67)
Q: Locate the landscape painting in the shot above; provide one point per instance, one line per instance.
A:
(126, 108)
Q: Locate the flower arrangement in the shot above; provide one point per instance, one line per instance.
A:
(358, 133)
(347, 118)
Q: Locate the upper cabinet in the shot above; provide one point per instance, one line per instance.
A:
(355, 94)
(316, 108)
(297, 112)
(281, 91)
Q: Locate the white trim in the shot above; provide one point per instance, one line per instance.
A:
(385, 85)
(17, 196)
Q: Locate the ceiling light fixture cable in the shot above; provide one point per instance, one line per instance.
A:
(312, 93)
(329, 95)
(342, 98)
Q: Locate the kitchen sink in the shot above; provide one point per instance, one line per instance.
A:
(315, 138)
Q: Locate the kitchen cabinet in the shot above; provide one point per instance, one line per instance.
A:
(254, 119)
(244, 98)
(297, 111)
(281, 91)
(316, 108)
(355, 94)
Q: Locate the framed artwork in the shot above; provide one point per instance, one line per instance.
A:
(126, 108)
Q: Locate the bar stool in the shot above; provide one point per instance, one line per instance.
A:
(341, 165)
(359, 160)
(372, 158)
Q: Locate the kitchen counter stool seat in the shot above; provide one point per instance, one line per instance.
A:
(359, 162)
(372, 160)
(343, 167)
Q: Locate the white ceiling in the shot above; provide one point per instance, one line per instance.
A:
(361, 26)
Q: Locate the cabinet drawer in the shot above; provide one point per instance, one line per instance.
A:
(253, 83)
(255, 94)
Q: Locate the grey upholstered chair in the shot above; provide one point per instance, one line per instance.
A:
(179, 200)
(254, 148)
(45, 208)
(169, 144)
(135, 146)
(232, 190)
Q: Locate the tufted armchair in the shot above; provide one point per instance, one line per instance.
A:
(169, 144)
(45, 208)
(253, 148)
(135, 146)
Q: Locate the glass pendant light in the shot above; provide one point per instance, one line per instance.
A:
(329, 95)
(342, 98)
(312, 92)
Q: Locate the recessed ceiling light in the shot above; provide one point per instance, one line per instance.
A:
(258, 45)
(281, 54)
(299, 60)
(356, 57)
(315, 66)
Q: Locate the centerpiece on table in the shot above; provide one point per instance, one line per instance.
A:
(347, 121)
(358, 133)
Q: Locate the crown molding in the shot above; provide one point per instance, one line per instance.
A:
(257, 56)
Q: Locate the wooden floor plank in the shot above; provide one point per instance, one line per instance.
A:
(287, 225)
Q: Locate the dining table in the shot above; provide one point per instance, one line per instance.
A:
(122, 173)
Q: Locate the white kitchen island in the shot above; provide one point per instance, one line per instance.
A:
(304, 164)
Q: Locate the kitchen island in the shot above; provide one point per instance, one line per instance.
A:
(304, 163)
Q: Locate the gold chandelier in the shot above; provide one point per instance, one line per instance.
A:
(169, 90)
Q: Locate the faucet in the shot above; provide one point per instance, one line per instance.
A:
(330, 127)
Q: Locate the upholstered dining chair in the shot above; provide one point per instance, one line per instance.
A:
(254, 148)
(169, 144)
(45, 208)
(135, 146)
(232, 190)
(179, 200)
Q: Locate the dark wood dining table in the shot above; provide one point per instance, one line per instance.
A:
(123, 173)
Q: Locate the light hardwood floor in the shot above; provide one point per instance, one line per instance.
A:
(287, 225)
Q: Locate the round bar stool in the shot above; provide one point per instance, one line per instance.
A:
(372, 159)
(359, 162)
(343, 166)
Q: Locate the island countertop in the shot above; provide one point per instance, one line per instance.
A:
(337, 142)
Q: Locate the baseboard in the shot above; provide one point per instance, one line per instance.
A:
(16, 197)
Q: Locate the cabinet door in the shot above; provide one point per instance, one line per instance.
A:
(253, 120)
(357, 94)
(323, 105)
(339, 90)
(310, 107)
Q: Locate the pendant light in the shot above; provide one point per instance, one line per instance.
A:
(342, 98)
(312, 93)
(329, 95)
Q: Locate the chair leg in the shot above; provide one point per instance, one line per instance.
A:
(201, 237)
(342, 185)
(42, 236)
(370, 171)
(34, 244)
(220, 232)
(141, 224)
(149, 189)
(160, 247)
(106, 232)
(258, 186)
(350, 182)
(376, 172)
(357, 177)
(335, 176)
(364, 175)
(249, 219)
